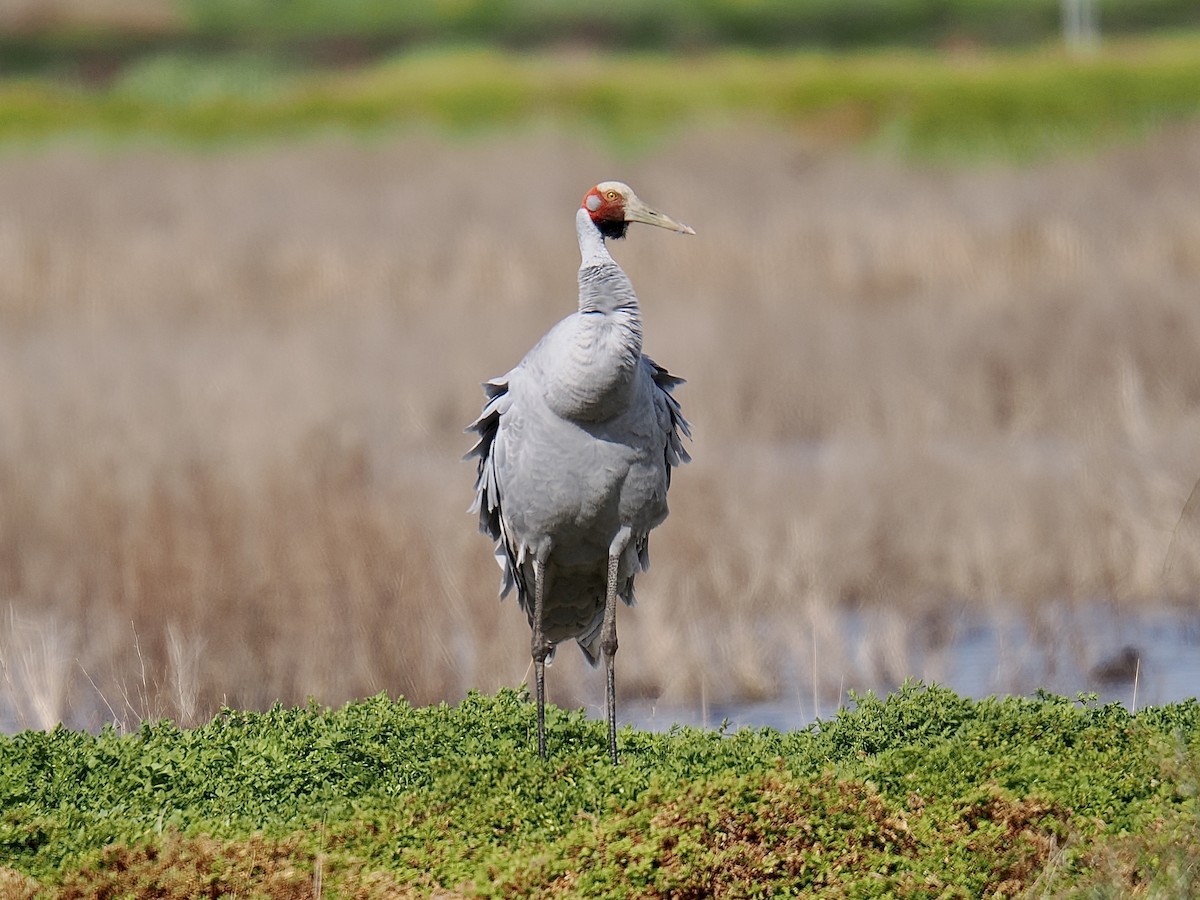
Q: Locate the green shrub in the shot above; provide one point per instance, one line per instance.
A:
(923, 791)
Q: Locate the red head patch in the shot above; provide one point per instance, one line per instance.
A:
(606, 206)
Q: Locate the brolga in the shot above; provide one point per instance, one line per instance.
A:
(576, 446)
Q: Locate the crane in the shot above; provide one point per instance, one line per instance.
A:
(576, 446)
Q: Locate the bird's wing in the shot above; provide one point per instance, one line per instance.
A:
(670, 416)
(674, 428)
(487, 484)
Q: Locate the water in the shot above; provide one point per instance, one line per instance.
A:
(1141, 659)
(1138, 659)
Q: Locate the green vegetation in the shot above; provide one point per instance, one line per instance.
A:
(629, 23)
(75, 24)
(1012, 105)
(922, 794)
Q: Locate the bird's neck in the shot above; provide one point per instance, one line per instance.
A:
(591, 241)
(603, 285)
(603, 343)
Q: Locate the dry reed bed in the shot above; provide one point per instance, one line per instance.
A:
(232, 387)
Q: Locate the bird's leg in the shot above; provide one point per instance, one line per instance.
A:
(608, 643)
(608, 635)
(540, 649)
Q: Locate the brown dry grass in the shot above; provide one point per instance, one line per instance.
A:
(15, 886)
(175, 866)
(232, 387)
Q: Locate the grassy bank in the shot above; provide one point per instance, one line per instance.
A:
(986, 104)
(924, 794)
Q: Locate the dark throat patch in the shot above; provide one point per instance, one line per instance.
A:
(613, 229)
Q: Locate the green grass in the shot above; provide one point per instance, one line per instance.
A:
(922, 794)
(1007, 105)
(668, 23)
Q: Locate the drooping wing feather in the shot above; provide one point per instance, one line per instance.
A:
(670, 416)
(675, 428)
(487, 484)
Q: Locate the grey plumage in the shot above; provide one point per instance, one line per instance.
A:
(576, 446)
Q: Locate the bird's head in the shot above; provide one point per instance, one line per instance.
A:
(613, 205)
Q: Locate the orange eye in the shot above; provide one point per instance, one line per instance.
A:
(611, 195)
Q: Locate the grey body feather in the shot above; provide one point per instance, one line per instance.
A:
(576, 446)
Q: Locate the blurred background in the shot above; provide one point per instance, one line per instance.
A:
(940, 325)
